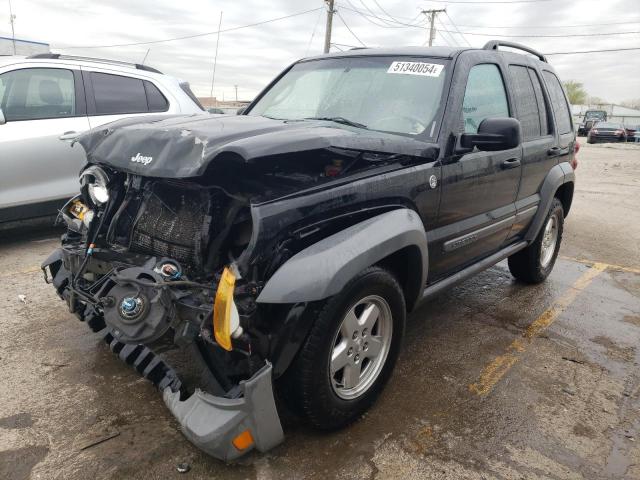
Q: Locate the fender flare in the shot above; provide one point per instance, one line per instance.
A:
(324, 268)
(557, 176)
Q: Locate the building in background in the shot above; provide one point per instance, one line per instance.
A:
(23, 47)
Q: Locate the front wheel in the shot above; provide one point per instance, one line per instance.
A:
(350, 353)
(534, 263)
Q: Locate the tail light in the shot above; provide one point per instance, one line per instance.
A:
(574, 160)
(619, 132)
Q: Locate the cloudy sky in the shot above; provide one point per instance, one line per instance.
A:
(250, 57)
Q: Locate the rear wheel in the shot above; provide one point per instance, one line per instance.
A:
(534, 263)
(351, 351)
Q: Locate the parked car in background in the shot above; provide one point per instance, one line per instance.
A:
(591, 117)
(607, 132)
(47, 98)
(285, 246)
(631, 130)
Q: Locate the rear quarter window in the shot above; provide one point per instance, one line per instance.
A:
(558, 102)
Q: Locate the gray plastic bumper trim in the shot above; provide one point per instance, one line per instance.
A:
(211, 423)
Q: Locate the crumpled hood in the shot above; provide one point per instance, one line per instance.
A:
(183, 146)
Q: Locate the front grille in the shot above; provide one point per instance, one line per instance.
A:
(176, 221)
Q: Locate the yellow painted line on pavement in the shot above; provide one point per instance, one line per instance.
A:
(495, 370)
(610, 266)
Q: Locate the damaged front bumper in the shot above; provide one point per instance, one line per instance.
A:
(225, 426)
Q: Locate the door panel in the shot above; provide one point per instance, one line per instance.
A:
(479, 189)
(40, 104)
(539, 152)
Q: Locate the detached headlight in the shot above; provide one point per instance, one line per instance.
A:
(96, 182)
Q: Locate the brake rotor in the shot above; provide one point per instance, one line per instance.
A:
(138, 311)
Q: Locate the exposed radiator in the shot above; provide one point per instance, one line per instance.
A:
(177, 222)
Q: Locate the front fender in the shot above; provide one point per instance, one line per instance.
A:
(324, 268)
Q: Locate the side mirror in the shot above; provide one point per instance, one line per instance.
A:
(241, 110)
(3, 120)
(494, 134)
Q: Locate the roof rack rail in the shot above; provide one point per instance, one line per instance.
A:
(56, 56)
(494, 44)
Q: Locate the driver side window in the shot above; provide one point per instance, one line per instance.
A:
(484, 97)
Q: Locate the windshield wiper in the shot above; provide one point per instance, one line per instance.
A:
(344, 121)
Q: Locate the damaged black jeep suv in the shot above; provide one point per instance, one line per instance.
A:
(228, 258)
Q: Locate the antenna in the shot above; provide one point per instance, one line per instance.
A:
(12, 20)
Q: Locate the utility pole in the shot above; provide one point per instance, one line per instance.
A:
(327, 31)
(431, 14)
(12, 19)
(236, 87)
(215, 59)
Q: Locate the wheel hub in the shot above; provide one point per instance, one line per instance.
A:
(361, 345)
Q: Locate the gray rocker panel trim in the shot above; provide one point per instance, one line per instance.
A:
(558, 175)
(323, 269)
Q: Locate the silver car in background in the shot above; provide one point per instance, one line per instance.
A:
(47, 98)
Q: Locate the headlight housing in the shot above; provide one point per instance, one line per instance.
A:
(95, 183)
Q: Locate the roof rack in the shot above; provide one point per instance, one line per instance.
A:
(56, 56)
(494, 44)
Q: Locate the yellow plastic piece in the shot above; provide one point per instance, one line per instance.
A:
(222, 309)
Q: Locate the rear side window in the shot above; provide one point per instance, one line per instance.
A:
(484, 97)
(530, 106)
(559, 102)
(115, 94)
(37, 93)
(542, 105)
(156, 100)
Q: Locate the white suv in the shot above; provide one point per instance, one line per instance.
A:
(47, 98)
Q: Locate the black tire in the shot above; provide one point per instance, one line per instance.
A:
(526, 265)
(307, 384)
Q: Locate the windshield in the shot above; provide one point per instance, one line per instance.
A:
(608, 125)
(391, 94)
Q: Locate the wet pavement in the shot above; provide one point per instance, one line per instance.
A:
(496, 379)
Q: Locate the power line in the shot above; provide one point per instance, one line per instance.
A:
(391, 16)
(549, 26)
(366, 17)
(455, 42)
(604, 34)
(456, 27)
(313, 33)
(595, 51)
(372, 12)
(350, 31)
(482, 34)
(198, 34)
(481, 2)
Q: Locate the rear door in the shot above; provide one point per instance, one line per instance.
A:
(539, 144)
(40, 104)
(111, 97)
(478, 188)
(566, 136)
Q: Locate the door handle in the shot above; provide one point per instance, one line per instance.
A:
(554, 151)
(510, 163)
(69, 136)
